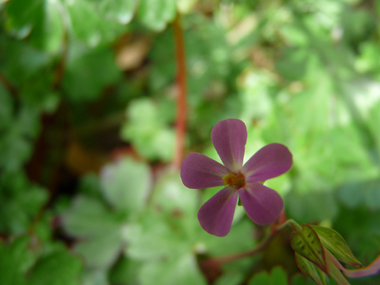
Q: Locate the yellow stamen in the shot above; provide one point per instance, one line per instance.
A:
(234, 180)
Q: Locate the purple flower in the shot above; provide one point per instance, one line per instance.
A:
(262, 204)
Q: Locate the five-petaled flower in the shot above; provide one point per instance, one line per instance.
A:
(262, 204)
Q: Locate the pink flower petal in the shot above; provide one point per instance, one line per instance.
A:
(229, 138)
(199, 171)
(262, 204)
(272, 160)
(216, 215)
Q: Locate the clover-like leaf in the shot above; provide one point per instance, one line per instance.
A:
(336, 244)
(307, 244)
(276, 277)
(155, 14)
(148, 130)
(126, 185)
(58, 267)
(40, 19)
(89, 71)
(99, 229)
(15, 260)
(121, 10)
(22, 263)
(309, 269)
(181, 270)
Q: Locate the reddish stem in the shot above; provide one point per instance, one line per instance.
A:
(237, 256)
(275, 229)
(181, 96)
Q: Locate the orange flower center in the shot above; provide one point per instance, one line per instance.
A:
(236, 180)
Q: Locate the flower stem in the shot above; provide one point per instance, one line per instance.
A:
(293, 224)
(181, 96)
(233, 257)
(237, 256)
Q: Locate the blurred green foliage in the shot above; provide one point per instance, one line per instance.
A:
(86, 82)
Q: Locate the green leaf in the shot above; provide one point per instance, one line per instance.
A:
(164, 68)
(48, 29)
(177, 203)
(311, 270)
(294, 63)
(90, 186)
(102, 250)
(95, 277)
(22, 15)
(155, 239)
(306, 207)
(15, 260)
(228, 278)
(300, 279)
(369, 59)
(85, 22)
(374, 116)
(19, 264)
(88, 24)
(361, 193)
(121, 10)
(294, 34)
(307, 244)
(316, 98)
(182, 270)
(21, 201)
(255, 97)
(126, 185)
(260, 279)
(235, 241)
(185, 6)
(88, 217)
(125, 271)
(100, 230)
(148, 130)
(6, 108)
(22, 62)
(364, 237)
(336, 244)
(357, 24)
(28, 122)
(278, 276)
(56, 268)
(88, 72)
(41, 18)
(48, 101)
(155, 14)
(16, 143)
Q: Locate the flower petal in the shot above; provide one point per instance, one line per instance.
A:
(270, 161)
(216, 215)
(229, 138)
(199, 171)
(262, 204)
